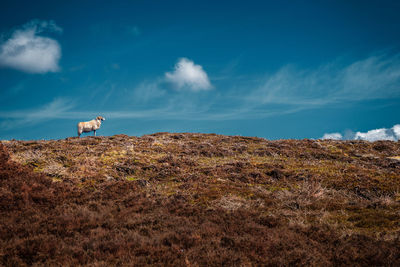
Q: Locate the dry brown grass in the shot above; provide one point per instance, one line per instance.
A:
(199, 199)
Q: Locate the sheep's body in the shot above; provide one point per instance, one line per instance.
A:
(88, 126)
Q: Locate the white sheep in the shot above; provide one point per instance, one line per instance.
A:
(88, 126)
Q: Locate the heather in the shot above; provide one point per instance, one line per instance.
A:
(199, 199)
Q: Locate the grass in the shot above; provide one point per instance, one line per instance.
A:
(199, 199)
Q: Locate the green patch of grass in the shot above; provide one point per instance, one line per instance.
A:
(132, 178)
(277, 188)
(113, 156)
(38, 168)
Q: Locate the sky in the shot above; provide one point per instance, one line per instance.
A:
(272, 69)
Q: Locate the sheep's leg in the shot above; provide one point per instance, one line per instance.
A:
(94, 132)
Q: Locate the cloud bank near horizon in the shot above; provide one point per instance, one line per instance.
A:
(27, 51)
(391, 134)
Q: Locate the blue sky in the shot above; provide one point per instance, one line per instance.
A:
(273, 69)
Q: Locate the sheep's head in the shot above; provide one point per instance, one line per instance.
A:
(100, 118)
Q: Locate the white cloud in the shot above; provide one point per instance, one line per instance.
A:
(26, 51)
(332, 136)
(188, 75)
(375, 135)
(396, 131)
(391, 134)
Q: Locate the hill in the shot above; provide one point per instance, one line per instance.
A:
(199, 199)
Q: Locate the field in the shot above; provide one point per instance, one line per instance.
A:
(199, 200)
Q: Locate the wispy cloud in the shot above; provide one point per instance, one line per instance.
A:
(188, 75)
(291, 90)
(173, 109)
(26, 51)
(392, 134)
(147, 91)
(42, 26)
(58, 108)
(375, 77)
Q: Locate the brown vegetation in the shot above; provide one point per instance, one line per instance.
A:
(199, 199)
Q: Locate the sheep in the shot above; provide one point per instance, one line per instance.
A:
(88, 126)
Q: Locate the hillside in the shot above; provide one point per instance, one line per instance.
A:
(199, 199)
